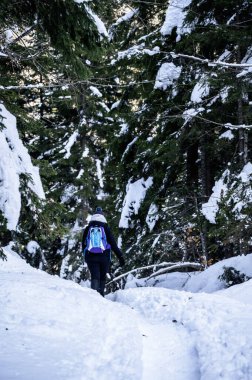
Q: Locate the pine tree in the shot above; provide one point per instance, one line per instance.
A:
(174, 130)
(165, 103)
(44, 67)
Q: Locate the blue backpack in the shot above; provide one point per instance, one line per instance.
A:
(96, 240)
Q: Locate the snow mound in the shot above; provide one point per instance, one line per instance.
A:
(220, 327)
(208, 280)
(54, 329)
(241, 292)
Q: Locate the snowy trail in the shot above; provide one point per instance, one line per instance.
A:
(50, 326)
(168, 352)
(54, 329)
(217, 332)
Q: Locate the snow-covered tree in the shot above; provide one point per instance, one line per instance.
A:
(47, 50)
(181, 117)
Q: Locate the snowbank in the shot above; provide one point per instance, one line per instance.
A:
(241, 292)
(221, 328)
(208, 281)
(53, 329)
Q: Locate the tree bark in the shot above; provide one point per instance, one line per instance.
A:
(243, 136)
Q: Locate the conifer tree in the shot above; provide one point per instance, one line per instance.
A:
(46, 48)
(164, 106)
(177, 129)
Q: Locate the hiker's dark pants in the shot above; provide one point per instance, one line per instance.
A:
(98, 265)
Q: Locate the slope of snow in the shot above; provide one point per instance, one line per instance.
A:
(53, 329)
(208, 281)
(220, 329)
(241, 292)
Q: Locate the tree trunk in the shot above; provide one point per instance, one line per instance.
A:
(192, 176)
(243, 136)
(203, 236)
(205, 169)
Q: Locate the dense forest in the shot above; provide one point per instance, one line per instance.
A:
(142, 108)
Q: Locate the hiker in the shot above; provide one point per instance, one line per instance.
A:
(97, 242)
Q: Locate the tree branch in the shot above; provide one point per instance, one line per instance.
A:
(168, 268)
(210, 63)
(176, 266)
(22, 35)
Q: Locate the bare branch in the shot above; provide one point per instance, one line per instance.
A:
(22, 35)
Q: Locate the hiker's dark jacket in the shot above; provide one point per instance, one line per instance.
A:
(109, 236)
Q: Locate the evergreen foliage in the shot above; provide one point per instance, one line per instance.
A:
(156, 136)
(98, 104)
(232, 276)
(44, 65)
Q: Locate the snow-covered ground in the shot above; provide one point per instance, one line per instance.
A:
(207, 281)
(54, 329)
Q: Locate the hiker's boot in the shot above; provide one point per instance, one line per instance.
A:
(95, 285)
(102, 287)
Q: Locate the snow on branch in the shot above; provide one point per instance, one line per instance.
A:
(25, 87)
(63, 85)
(22, 35)
(210, 63)
(15, 161)
(176, 266)
(232, 126)
(225, 125)
(66, 85)
(138, 270)
(168, 267)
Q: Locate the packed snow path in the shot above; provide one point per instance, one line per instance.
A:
(54, 329)
(168, 352)
(218, 342)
